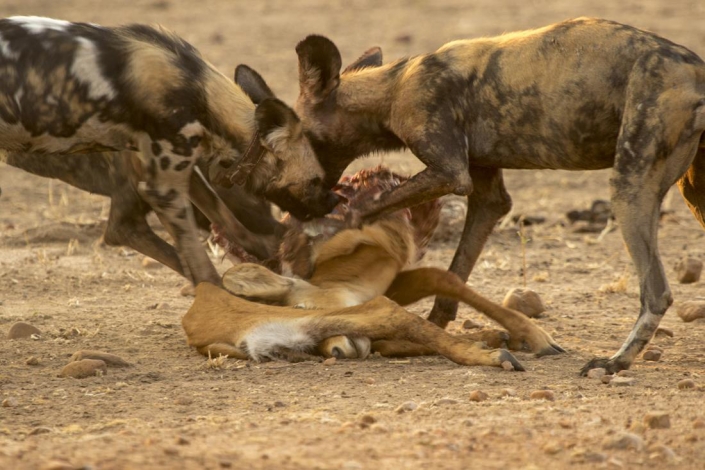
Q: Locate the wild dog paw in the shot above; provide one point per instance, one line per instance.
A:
(612, 366)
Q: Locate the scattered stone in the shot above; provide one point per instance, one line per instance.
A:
(39, 430)
(162, 306)
(615, 462)
(508, 392)
(507, 365)
(662, 331)
(110, 359)
(150, 263)
(657, 420)
(367, 420)
(637, 427)
(369, 381)
(21, 330)
(686, 384)
(597, 373)
(688, 270)
(183, 401)
(445, 401)
(84, 368)
(10, 402)
(407, 406)
(691, 310)
(59, 465)
(661, 452)
(32, 361)
(622, 381)
(552, 448)
(594, 457)
(379, 428)
(652, 355)
(565, 424)
(626, 373)
(542, 395)
(623, 441)
(188, 290)
(525, 301)
(698, 423)
(478, 395)
(329, 362)
(182, 441)
(471, 325)
(279, 404)
(606, 379)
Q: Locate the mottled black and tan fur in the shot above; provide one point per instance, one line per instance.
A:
(75, 87)
(578, 95)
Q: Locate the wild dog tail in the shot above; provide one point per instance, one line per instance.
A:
(692, 183)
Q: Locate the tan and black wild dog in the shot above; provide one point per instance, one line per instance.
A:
(76, 87)
(349, 270)
(583, 94)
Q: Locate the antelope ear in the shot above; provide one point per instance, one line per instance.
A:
(372, 57)
(319, 66)
(252, 84)
(276, 122)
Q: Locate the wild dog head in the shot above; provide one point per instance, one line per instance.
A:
(289, 173)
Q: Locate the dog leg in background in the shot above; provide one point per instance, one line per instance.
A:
(488, 203)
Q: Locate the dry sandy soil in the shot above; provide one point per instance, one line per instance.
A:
(171, 411)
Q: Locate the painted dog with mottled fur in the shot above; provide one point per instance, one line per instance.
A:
(584, 94)
(76, 87)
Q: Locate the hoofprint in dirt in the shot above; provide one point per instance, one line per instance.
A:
(170, 410)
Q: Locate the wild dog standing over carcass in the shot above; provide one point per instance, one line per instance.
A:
(583, 94)
(76, 87)
(117, 175)
(338, 268)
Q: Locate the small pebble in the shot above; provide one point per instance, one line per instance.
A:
(379, 428)
(525, 301)
(162, 306)
(686, 384)
(445, 401)
(662, 331)
(367, 420)
(110, 359)
(183, 401)
(508, 392)
(688, 270)
(407, 406)
(150, 263)
(84, 368)
(661, 452)
(471, 325)
(698, 423)
(691, 310)
(652, 355)
(626, 373)
(506, 365)
(32, 361)
(623, 441)
(329, 362)
(369, 381)
(637, 427)
(39, 430)
(187, 291)
(542, 395)
(182, 441)
(21, 330)
(597, 373)
(622, 381)
(552, 448)
(657, 420)
(605, 379)
(9, 402)
(478, 395)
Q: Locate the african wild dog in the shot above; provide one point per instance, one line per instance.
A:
(353, 267)
(117, 174)
(583, 94)
(75, 87)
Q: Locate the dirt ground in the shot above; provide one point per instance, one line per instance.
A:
(170, 410)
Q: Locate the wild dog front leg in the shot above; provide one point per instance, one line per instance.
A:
(488, 202)
(166, 190)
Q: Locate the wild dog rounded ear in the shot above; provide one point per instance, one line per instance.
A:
(275, 120)
(372, 57)
(252, 84)
(319, 66)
